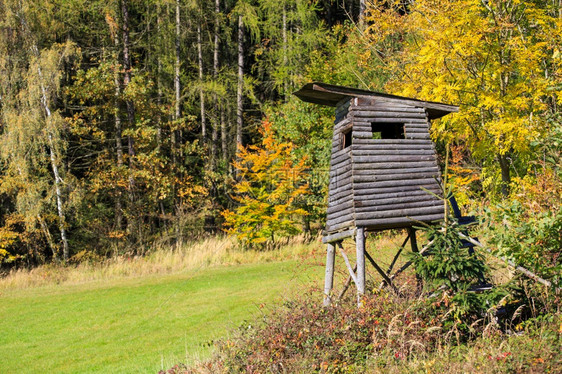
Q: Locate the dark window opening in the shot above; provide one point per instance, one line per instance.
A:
(387, 130)
(346, 139)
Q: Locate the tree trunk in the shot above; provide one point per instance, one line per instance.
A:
(58, 192)
(129, 104)
(239, 98)
(158, 83)
(224, 134)
(201, 91)
(214, 135)
(57, 178)
(54, 166)
(506, 177)
(118, 134)
(361, 18)
(285, 59)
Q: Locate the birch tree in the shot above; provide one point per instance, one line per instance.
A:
(32, 136)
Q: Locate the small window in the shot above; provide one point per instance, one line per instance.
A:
(387, 130)
(346, 138)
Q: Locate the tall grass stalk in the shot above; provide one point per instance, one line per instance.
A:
(161, 260)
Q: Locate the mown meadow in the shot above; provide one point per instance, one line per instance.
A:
(114, 319)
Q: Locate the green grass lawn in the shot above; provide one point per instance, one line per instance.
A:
(137, 325)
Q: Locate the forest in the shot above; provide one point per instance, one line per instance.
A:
(126, 123)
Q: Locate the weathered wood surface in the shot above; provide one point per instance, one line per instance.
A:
(360, 259)
(347, 263)
(333, 227)
(348, 212)
(332, 221)
(385, 108)
(329, 276)
(343, 194)
(338, 236)
(335, 172)
(408, 212)
(360, 151)
(337, 191)
(339, 180)
(343, 156)
(395, 183)
(392, 141)
(367, 194)
(342, 205)
(414, 135)
(336, 202)
(381, 223)
(397, 206)
(385, 174)
(375, 201)
(392, 158)
(366, 178)
(368, 115)
(377, 113)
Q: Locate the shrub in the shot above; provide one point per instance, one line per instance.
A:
(530, 239)
(268, 192)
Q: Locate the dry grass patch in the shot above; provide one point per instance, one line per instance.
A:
(161, 260)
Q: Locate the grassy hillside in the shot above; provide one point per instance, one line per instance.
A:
(125, 321)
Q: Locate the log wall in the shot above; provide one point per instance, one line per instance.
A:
(380, 183)
(389, 175)
(340, 191)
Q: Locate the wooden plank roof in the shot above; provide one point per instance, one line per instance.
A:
(330, 95)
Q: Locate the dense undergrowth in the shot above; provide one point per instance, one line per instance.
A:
(390, 333)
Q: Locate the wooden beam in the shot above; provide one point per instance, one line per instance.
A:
(360, 250)
(329, 279)
(407, 264)
(344, 255)
(382, 273)
(389, 270)
(338, 236)
(346, 285)
(520, 269)
(415, 249)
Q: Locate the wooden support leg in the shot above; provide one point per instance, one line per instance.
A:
(346, 285)
(360, 248)
(414, 244)
(329, 281)
(391, 266)
(385, 277)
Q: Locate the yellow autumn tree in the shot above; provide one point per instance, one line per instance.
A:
(268, 193)
(498, 59)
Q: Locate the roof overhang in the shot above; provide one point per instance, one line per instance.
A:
(330, 95)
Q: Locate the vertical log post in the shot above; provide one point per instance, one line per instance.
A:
(329, 281)
(360, 247)
(414, 244)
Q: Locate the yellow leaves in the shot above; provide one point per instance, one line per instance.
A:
(268, 192)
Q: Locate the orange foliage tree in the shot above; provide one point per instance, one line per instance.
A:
(271, 185)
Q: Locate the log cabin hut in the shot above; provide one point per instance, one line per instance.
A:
(383, 164)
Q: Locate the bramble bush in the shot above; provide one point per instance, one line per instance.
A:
(300, 336)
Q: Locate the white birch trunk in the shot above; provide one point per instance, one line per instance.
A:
(239, 98)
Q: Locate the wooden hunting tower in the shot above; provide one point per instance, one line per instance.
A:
(382, 166)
